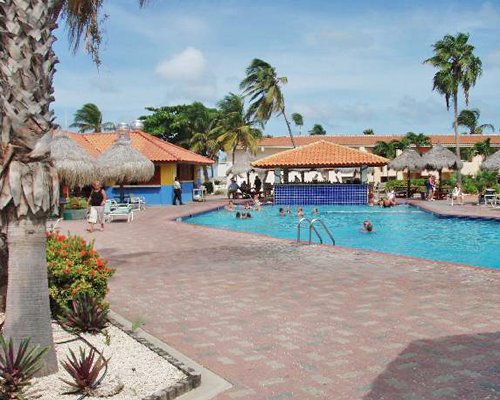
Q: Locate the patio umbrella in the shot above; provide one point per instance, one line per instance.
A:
(74, 166)
(408, 159)
(440, 157)
(121, 163)
(492, 163)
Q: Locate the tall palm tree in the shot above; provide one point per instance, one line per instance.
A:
(458, 67)
(28, 180)
(234, 128)
(263, 86)
(298, 120)
(89, 118)
(368, 132)
(470, 119)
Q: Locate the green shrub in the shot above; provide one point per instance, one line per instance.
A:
(209, 186)
(76, 203)
(74, 267)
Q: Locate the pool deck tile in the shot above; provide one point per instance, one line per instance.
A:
(286, 321)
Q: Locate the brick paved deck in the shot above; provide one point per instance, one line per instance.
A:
(282, 321)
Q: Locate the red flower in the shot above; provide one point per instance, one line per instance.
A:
(66, 271)
(100, 262)
(83, 253)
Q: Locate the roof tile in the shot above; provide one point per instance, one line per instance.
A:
(151, 147)
(320, 154)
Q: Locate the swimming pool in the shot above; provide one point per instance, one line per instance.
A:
(402, 230)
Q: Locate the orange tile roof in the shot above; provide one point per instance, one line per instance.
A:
(371, 140)
(320, 154)
(151, 147)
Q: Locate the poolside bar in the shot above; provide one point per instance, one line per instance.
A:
(320, 156)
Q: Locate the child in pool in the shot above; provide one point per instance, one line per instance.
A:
(315, 211)
(282, 212)
(300, 212)
(367, 226)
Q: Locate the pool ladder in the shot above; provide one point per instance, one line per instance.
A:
(312, 229)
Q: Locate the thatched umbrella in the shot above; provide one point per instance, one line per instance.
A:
(492, 163)
(410, 160)
(440, 157)
(121, 163)
(74, 166)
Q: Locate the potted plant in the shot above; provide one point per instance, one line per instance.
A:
(75, 208)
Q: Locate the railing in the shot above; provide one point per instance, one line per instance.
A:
(312, 229)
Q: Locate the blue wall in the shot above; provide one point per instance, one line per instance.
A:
(317, 194)
(158, 195)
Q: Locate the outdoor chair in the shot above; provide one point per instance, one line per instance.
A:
(490, 197)
(137, 202)
(112, 210)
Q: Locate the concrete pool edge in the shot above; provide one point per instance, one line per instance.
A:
(446, 264)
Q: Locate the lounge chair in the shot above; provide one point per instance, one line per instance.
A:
(112, 210)
(137, 202)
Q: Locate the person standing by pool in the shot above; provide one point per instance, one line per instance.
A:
(257, 183)
(457, 195)
(177, 192)
(96, 201)
(232, 189)
(430, 185)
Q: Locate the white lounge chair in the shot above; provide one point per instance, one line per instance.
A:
(112, 210)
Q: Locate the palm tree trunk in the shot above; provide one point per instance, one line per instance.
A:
(29, 183)
(3, 271)
(28, 310)
(289, 127)
(455, 127)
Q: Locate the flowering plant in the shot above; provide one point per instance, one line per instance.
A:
(74, 268)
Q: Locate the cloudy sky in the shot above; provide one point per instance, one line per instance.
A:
(349, 66)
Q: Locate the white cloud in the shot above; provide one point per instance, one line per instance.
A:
(187, 66)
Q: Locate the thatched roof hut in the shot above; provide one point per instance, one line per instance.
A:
(492, 163)
(440, 157)
(408, 159)
(121, 163)
(74, 166)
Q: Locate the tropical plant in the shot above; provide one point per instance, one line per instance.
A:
(317, 129)
(233, 127)
(86, 315)
(368, 132)
(89, 118)
(203, 140)
(29, 182)
(417, 139)
(388, 149)
(177, 124)
(482, 148)
(84, 370)
(470, 120)
(74, 268)
(18, 364)
(263, 86)
(76, 203)
(298, 120)
(458, 67)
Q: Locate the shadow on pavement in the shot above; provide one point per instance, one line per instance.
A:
(465, 367)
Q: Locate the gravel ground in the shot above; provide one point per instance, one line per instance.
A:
(134, 370)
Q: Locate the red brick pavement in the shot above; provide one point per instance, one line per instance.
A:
(283, 321)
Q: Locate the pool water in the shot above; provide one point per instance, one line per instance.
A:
(402, 230)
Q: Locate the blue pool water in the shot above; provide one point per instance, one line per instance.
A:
(403, 230)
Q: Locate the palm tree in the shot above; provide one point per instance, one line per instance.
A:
(368, 132)
(317, 129)
(389, 149)
(298, 120)
(417, 139)
(89, 118)
(470, 119)
(457, 67)
(482, 148)
(233, 127)
(29, 182)
(263, 86)
(203, 140)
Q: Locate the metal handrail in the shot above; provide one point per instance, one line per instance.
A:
(311, 226)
